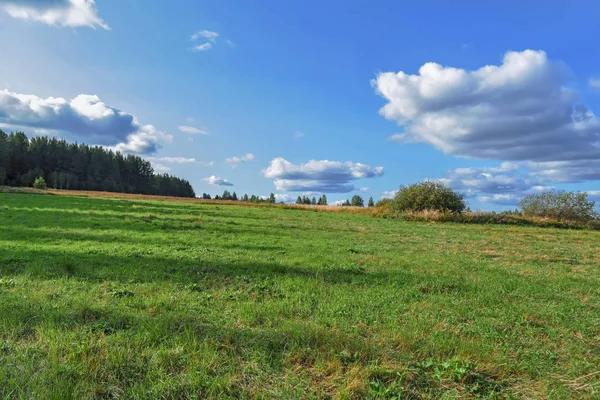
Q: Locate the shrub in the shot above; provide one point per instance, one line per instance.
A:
(561, 205)
(428, 195)
(40, 183)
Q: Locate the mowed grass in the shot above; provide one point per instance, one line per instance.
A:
(104, 298)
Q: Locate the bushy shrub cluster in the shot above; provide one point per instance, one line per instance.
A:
(561, 205)
(428, 195)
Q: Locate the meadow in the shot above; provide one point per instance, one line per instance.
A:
(131, 298)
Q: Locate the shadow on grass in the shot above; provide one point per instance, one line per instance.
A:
(144, 268)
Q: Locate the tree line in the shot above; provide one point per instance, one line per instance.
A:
(74, 166)
(227, 195)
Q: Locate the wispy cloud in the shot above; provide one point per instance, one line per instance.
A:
(192, 130)
(202, 47)
(211, 36)
(235, 161)
(298, 135)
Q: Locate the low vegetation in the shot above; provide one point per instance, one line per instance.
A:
(561, 205)
(132, 298)
(428, 196)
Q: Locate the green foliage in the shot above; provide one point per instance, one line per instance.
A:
(322, 200)
(428, 195)
(72, 166)
(561, 205)
(357, 201)
(371, 202)
(40, 183)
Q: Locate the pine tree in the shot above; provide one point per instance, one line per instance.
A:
(371, 202)
(299, 200)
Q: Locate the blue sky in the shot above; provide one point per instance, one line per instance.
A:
(276, 88)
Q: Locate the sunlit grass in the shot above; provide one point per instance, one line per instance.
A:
(128, 298)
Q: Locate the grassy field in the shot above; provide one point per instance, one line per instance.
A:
(126, 298)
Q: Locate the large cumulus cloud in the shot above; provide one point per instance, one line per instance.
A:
(69, 13)
(519, 110)
(85, 117)
(318, 176)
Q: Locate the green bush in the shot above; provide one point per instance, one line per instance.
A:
(430, 196)
(562, 205)
(40, 183)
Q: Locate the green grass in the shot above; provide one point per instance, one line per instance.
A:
(105, 298)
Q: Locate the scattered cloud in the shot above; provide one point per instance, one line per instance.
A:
(66, 13)
(230, 43)
(202, 47)
(319, 176)
(519, 110)
(213, 180)
(235, 161)
(390, 194)
(594, 195)
(594, 83)
(364, 189)
(337, 203)
(158, 163)
(85, 117)
(208, 35)
(298, 135)
(192, 130)
(172, 160)
(160, 168)
(504, 185)
(286, 198)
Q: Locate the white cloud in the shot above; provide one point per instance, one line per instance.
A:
(571, 171)
(85, 117)
(337, 203)
(364, 189)
(519, 110)
(319, 176)
(178, 160)
(192, 130)
(213, 180)
(505, 184)
(298, 135)
(235, 161)
(286, 198)
(390, 194)
(501, 199)
(202, 47)
(230, 43)
(160, 168)
(208, 35)
(594, 83)
(67, 13)
(594, 195)
(172, 160)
